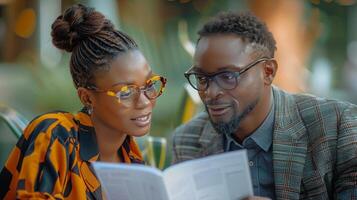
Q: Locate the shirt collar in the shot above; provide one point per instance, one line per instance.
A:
(263, 136)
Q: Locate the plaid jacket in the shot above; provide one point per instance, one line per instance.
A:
(314, 146)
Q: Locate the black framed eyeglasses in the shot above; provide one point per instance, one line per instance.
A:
(227, 80)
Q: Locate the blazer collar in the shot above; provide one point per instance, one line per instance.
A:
(210, 141)
(289, 146)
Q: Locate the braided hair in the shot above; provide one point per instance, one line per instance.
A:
(92, 39)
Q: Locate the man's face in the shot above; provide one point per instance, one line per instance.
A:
(228, 107)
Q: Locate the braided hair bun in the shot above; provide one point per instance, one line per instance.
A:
(92, 40)
(76, 24)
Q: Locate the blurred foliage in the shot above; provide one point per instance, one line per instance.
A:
(333, 39)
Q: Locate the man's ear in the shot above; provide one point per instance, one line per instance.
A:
(85, 96)
(270, 69)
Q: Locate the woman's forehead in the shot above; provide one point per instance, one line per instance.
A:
(129, 68)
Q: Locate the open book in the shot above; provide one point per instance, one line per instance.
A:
(224, 176)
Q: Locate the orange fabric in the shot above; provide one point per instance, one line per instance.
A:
(52, 160)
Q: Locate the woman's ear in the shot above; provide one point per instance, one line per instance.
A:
(270, 69)
(85, 96)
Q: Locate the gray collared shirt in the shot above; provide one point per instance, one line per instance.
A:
(259, 148)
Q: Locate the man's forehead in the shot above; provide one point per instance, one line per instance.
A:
(222, 41)
(221, 51)
(224, 45)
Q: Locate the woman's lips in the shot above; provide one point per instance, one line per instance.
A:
(142, 120)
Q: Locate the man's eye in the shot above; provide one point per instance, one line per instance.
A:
(226, 76)
(201, 79)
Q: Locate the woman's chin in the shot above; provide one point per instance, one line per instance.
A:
(140, 132)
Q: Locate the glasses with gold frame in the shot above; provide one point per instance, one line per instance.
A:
(128, 94)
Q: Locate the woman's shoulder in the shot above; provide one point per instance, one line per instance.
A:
(51, 124)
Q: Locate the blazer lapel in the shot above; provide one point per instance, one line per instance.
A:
(210, 141)
(289, 146)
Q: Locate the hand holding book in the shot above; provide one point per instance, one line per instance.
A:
(222, 176)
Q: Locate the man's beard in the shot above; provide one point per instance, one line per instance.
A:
(232, 126)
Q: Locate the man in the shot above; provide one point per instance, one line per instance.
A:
(299, 146)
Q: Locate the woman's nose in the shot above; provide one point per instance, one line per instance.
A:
(142, 100)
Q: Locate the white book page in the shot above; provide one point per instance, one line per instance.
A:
(224, 176)
(130, 182)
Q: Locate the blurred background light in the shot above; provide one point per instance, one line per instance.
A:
(346, 2)
(321, 77)
(184, 38)
(49, 10)
(352, 52)
(5, 1)
(109, 9)
(25, 23)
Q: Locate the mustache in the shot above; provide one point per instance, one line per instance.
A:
(217, 103)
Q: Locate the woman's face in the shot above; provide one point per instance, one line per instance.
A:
(131, 117)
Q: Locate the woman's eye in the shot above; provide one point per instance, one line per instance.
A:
(124, 94)
(150, 86)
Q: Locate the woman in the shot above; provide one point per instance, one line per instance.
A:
(118, 90)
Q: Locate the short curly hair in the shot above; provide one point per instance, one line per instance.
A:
(245, 25)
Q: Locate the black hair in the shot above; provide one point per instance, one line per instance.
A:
(245, 25)
(91, 38)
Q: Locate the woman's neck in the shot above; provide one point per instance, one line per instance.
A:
(109, 141)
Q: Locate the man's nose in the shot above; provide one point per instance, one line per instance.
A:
(213, 90)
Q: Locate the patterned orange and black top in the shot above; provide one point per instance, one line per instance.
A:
(52, 160)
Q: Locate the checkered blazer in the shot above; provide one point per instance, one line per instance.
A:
(314, 146)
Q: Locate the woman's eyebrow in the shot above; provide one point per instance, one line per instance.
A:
(121, 83)
(130, 82)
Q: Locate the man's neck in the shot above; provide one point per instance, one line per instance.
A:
(255, 118)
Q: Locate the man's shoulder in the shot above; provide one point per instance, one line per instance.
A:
(306, 101)
(323, 117)
(193, 128)
(188, 139)
(315, 112)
